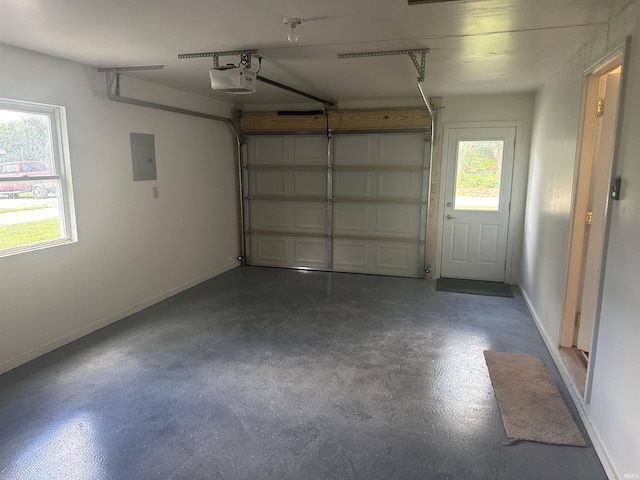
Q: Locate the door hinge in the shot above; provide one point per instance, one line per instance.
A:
(589, 217)
(578, 317)
(600, 108)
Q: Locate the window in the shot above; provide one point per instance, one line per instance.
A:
(478, 174)
(35, 184)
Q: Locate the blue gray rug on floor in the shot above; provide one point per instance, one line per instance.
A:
(474, 287)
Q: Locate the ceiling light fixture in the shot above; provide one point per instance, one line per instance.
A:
(292, 23)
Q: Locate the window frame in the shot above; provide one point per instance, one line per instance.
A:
(61, 172)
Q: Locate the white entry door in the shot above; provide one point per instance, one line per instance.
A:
(477, 196)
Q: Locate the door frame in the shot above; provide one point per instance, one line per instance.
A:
(511, 231)
(584, 159)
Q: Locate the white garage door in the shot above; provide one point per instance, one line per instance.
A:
(286, 207)
(354, 204)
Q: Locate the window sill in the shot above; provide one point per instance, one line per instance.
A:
(32, 248)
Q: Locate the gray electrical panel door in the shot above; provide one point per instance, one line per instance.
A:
(143, 155)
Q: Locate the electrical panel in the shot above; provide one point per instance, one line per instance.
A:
(143, 155)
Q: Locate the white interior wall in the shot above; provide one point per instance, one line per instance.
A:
(510, 108)
(612, 415)
(613, 406)
(132, 250)
(546, 231)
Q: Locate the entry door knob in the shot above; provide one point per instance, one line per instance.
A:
(449, 217)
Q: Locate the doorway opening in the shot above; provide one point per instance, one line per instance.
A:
(592, 182)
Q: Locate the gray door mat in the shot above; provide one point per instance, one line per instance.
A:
(474, 287)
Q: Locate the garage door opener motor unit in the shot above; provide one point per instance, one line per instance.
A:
(233, 79)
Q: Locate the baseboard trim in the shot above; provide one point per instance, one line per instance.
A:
(75, 335)
(578, 400)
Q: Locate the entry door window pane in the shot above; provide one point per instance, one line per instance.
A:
(478, 175)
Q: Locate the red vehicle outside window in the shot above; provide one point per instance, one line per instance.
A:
(26, 171)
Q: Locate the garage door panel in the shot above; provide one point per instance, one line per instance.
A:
(350, 256)
(379, 185)
(310, 184)
(310, 252)
(268, 150)
(376, 220)
(309, 150)
(354, 184)
(398, 220)
(269, 216)
(288, 251)
(288, 183)
(287, 150)
(269, 250)
(401, 149)
(353, 150)
(391, 256)
(290, 217)
(391, 149)
(350, 219)
(399, 184)
(270, 182)
(370, 256)
(310, 217)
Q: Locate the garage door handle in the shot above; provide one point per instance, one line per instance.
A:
(449, 217)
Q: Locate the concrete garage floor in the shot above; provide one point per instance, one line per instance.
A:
(267, 373)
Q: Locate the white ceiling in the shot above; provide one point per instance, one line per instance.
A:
(476, 46)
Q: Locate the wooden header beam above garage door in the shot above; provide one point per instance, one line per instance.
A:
(369, 120)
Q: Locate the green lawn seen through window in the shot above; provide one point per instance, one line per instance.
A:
(29, 233)
(480, 176)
